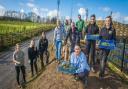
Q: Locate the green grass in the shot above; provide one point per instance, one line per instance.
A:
(12, 32)
(20, 26)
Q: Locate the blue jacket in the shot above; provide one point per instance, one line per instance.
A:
(58, 33)
(80, 62)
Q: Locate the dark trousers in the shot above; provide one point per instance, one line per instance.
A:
(104, 54)
(78, 37)
(18, 69)
(33, 63)
(83, 76)
(42, 57)
(90, 49)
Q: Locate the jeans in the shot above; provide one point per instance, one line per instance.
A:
(91, 51)
(103, 61)
(18, 69)
(33, 64)
(58, 45)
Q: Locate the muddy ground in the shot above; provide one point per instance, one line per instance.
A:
(50, 78)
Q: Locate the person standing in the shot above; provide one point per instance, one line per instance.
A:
(108, 32)
(18, 59)
(67, 31)
(91, 29)
(58, 37)
(75, 36)
(80, 26)
(32, 56)
(43, 47)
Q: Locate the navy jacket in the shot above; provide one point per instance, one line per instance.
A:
(108, 34)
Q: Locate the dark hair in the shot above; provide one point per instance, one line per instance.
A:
(111, 21)
(93, 15)
(109, 18)
(79, 15)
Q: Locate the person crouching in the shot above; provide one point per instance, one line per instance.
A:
(79, 60)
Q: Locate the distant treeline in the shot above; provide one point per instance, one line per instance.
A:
(5, 18)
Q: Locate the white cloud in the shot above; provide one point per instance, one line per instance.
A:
(44, 9)
(117, 16)
(22, 10)
(35, 10)
(31, 5)
(42, 12)
(52, 13)
(126, 19)
(2, 10)
(105, 9)
(82, 11)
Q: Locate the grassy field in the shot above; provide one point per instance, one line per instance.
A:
(20, 26)
(12, 32)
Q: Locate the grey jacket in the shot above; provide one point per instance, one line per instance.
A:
(19, 56)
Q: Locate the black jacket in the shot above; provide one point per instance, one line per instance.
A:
(92, 29)
(43, 45)
(32, 53)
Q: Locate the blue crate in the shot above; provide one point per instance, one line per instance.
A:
(110, 46)
(126, 61)
(92, 37)
(70, 70)
(126, 52)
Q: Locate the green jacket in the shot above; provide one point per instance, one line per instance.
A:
(80, 25)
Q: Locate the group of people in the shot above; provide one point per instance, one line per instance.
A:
(69, 33)
(73, 32)
(34, 51)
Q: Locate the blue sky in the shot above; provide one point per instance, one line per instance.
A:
(101, 8)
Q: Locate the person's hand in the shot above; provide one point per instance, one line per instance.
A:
(18, 62)
(29, 61)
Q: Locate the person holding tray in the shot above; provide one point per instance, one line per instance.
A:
(91, 29)
(79, 60)
(107, 33)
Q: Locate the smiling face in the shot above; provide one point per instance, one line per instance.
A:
(107, 22)
(92, 20)
(77, 50)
